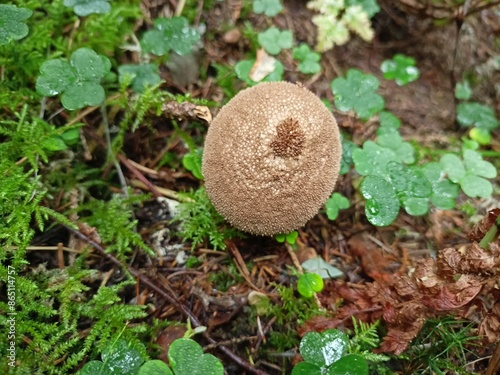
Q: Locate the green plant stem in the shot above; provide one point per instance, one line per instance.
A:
(490, 235)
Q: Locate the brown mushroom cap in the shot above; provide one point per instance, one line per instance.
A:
(271, 158)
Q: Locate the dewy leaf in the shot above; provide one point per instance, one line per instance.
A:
(476, 114)
(79, 81)
(170, 34)
(186, 357)
(351, 364)
(401, 68)
(96, 368)
(269, 7)
(83, 8)
(391, 139)
(155, 367)
(323, 349)
(348, 148)
(372, 159)
(358, 92)
(334, 204)
(55, 76)
(444, 192)
(12, 23)
(320, 267)
(382, 204)
(475, 164)
(140, 76)
(274, 40)
(123, 357)
(388, 122)
(309, 283)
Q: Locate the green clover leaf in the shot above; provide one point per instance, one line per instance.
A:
(274, 40)
(334, 204)
(309, 283)
(269, 7)
(388, 122)
(392, 140)
(347, 149)
(243, 68)
(154, 367)
(401, 68)
(323, 349)
(358, 92)
(170, 34)
(12, 25)
(444, 192)
(192, 162)
(308, 59)
(382, 204)
(471, 173)
(290, 237)
(478, 115)
(463, 90)
(83, 8)
(349, 364)
(78, 80)
(140, 76)
(186, 357)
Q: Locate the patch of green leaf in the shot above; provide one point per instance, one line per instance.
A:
(471, 173)
(186, 357)
(463, 91)
(86, 7)
(323, 269)
(370, 7)
(273, 40)
(309, 60)
(170, 34)
(401, 68)
(357, 92)
(388, 122)
(192, 162)
(78, 80)
(139, 76)
(269, 7)
(478, 115)
(290, 237)
(309, 283)
(13, 23)
(334, 204)
(382, 204)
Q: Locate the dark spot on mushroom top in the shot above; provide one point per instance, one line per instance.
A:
(289, 139)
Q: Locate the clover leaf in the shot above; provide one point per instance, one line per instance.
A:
(347, 149)
(309, 283)
(463, 90)
(323, 349)
(140, 76)
(444, 192)
(12, 25)
(358, 92)
(83, 8)
(244, 67)
(370, 7)
(192, 162)
(269, 7)
(349, 364)
(388, 122)
(334, 204)
(471, 173)
(78, 80)
(170, 34)
(290, 237)
(401, 68)
(155, 367)
(186, 357)
(382, 204)
(478, 115)
(274, 40)
(308, 59)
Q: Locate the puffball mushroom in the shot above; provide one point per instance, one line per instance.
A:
(271, 158)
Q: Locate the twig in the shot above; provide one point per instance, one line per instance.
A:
(171, 300)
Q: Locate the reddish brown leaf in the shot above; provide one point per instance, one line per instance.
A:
(484, 225)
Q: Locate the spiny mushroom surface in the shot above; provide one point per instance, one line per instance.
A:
(271, 158)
